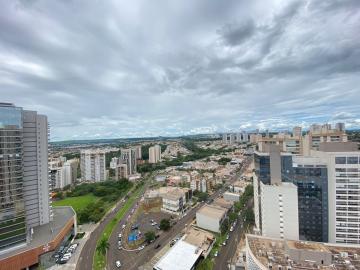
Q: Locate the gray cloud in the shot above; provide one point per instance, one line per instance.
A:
(120, 68)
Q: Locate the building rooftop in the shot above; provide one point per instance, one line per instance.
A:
(46, 233)
(200, 238)
(182, 256)
(303, 255)
(223, 203)
(212, 211)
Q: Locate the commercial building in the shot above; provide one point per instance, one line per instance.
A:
(174, 199)
(154, 154)
(309, 174)
(25, 188)
(92, 164)
(231, 196)
(210, 217)
(194, 246)
(264, 253)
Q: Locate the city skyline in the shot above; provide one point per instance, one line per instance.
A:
(121, 69)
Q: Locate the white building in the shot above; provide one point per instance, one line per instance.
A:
(210, 217)
(279, 211)
(92, 163)
(232, 197)
(343, 165)
(173, 202)
(154, 154)
(128, 157)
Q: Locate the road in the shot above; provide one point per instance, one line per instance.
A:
(134, 259)
(227, 252)
(85, 261)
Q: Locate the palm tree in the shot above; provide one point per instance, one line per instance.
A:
(103, 246)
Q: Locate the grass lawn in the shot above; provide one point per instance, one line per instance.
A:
(99, 260)
(78, 203)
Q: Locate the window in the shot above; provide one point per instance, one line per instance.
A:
(352, 160)
(340, 160)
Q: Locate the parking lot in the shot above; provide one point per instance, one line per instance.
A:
(144, 221)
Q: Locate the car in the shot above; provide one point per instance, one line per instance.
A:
(120, 235)
(142, 247)
(119, 243)
(67, 255)
(157, 227)
(224, 243)
(152, 221)
(227, 237)
(118, 264)
(216, 253)
(157, 246)
(231, 229)
(123, 226)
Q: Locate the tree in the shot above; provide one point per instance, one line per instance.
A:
(232, 217)
(165, 224)
(149, 236)
(225, 226)
(103, 246)
(202, 196)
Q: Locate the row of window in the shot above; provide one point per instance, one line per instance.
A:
(346, 160)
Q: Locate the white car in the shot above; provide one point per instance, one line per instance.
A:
(231, 229)
(142, 247)
(120, 235)
(216, 253)
(118, 264)
(123, 226)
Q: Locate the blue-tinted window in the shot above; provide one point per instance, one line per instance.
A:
(340, 160)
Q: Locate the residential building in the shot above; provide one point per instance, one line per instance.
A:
(154, 154)
(343, 170)
(264, 253)
(25, 188)
(121, 172)
(128, 157)
(210, 217)
(297, 132)
(319, 134)
(92, 164)
(279, 211)
(340, 126)
(309, 174)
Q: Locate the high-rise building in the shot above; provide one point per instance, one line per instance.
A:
(297, 132)
(92, 164)
(340, 126)
(24, 196)
(62, 172)
(343, 169)
(128, 157)
(309, 174)
(154, 154)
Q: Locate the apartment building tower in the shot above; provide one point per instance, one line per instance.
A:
(92, 165)
(154, 154)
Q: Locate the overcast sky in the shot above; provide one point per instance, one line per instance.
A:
(110, 69)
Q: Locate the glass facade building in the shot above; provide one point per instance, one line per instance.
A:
(312, 184)
(12, 206)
